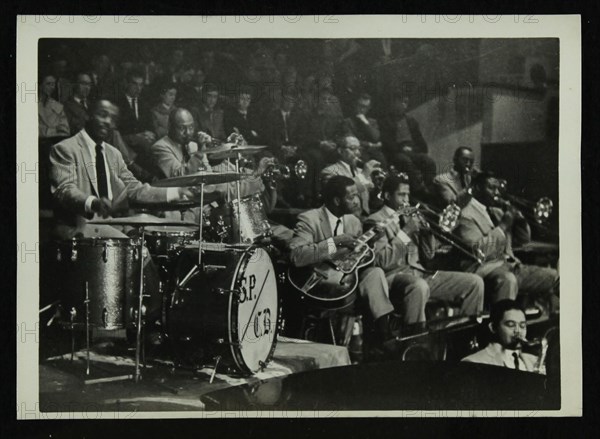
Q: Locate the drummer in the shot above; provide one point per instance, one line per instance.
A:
(89, 179)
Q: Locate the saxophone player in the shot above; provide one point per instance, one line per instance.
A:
(509, 329)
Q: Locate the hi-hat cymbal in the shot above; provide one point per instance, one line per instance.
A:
(203, 177)
(228, 152)
(142, 219)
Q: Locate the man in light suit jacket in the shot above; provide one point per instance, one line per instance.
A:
(319, 234)
(509, 327)
(487, 229)
(349, 156)
(452, 186)
(408, 241)
(83, 188)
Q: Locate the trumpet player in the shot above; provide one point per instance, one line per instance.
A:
(178, 153)
(509, 330)
(349, 153)
(453, 186)
(486, 227)
(400, 251)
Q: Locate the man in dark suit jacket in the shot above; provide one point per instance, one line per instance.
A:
(321, 232)
(208, 116)
(76, 106)
(366, 130)
(488, 229)
(400, 251)
(83, 188)
(509, 327)
(405, 147)
(242, 119)
(134, 115)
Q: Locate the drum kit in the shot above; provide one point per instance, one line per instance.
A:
(218, 297)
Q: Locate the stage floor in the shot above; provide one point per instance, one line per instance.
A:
(63, 385)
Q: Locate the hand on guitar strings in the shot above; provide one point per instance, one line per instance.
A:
(345, 241)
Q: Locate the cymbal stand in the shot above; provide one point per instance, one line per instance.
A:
(138, 339)
(239, 198)
(87, 329)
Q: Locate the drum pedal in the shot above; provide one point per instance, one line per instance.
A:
(224, 291)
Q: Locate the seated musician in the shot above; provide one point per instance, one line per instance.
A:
(321, 232)
(89, 177)
(399, 252)
(452, 186)
(349, 152)
(177, 153)
(486, 227)
(509, 328)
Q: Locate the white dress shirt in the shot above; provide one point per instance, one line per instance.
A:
(172, 192)
(333, 220)
(134, 107)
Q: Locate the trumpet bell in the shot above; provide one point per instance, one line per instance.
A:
(449, 217)
(543, 209)
(301, 169)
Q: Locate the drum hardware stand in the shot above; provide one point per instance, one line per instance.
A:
(87, 329)
(239, 197)
(72, 315)
(138, 338)
(214, 372)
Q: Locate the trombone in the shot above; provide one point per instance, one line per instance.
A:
(538, 212)
(441, 226)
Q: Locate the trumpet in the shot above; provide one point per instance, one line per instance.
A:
(538, 212)
(276, 172)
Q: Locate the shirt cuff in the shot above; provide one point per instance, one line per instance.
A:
(331, 247)
(172, 194)
(88, 204)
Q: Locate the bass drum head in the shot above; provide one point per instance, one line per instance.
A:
(255, 316)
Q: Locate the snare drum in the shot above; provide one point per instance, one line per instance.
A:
(111, 269)
(228, 309)
(168, 240)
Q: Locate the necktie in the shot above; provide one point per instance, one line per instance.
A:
(337, 226)
(492, 216)
(285, 128)
(134, 106)
(353, 170)
(186, 154)
(84, 103)
(101, 177)
(516, 357)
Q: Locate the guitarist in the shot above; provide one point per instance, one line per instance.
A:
(399, 253)
(321, 232)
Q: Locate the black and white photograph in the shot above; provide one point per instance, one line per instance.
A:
(270, 216)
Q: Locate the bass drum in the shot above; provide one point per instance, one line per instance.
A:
(229, 309)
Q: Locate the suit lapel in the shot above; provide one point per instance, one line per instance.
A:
(88, 163)
(325, 226)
